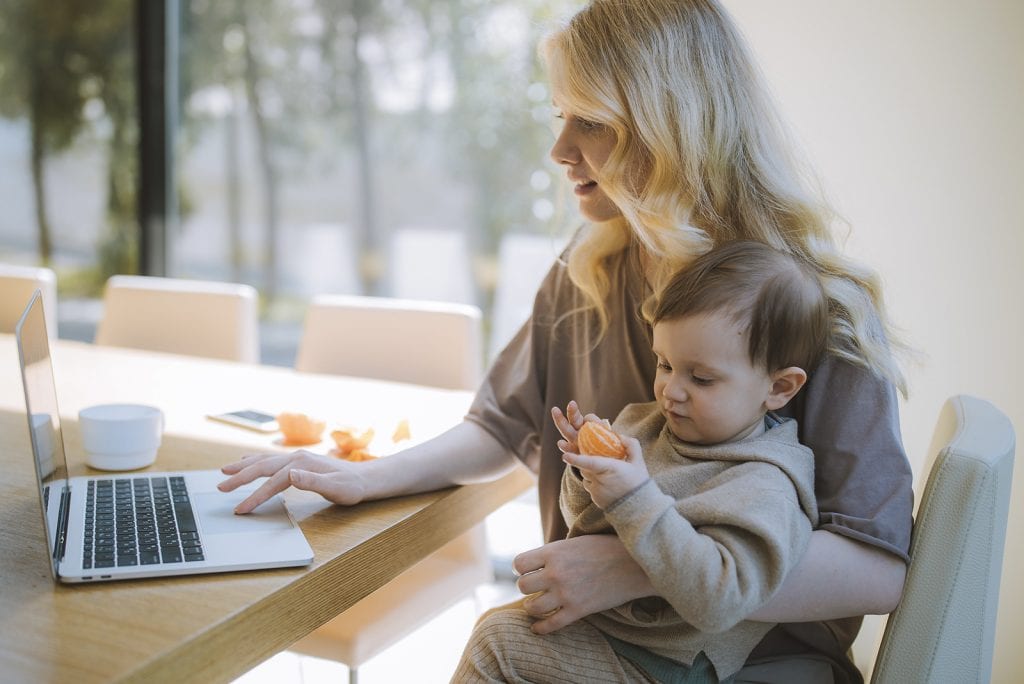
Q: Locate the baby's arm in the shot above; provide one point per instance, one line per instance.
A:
(719, 555)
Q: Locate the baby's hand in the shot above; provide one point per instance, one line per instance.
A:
(609, 479)
(568, 424)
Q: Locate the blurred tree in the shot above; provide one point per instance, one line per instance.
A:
(435, 93)
(44, 78)
(58, 60)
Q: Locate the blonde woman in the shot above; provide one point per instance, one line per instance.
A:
(672, 146)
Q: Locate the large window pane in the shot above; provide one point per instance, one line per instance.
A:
(68, 139)
(362, 147)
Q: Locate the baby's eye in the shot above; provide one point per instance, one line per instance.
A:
(664, 366)
(701, 381)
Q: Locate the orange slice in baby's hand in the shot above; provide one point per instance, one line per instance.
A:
(597, 439)
(299, 429)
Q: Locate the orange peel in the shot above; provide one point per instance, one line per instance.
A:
(299, 429)
(401, 431)
(348, 441)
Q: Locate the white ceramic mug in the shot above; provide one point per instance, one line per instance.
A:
(120, 436)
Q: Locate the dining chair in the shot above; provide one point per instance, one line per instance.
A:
(523, 261)
(404, 340)
(194, 317)
(432, 264)
(943, 629)
(427, 343)
(17, 283)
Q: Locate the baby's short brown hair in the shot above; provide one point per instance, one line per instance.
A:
(778, 299)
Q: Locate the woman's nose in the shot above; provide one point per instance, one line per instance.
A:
(565, 151)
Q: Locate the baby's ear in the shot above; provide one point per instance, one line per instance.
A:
(786, 382)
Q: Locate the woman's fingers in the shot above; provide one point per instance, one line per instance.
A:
(541, 605)
(275, 484)
(248, 469)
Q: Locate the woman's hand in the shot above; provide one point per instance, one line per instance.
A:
(569, 579)
(609, 479)
(336, 480)
(462, 455)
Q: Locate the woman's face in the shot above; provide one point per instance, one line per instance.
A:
(583, 147)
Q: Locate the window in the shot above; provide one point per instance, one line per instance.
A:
(375, 147)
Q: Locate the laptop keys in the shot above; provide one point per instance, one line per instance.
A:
(139, 521)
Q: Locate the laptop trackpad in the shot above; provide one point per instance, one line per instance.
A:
(216, 511)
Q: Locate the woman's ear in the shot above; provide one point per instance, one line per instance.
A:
(786, 382)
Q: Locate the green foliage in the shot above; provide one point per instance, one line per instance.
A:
(321, 77)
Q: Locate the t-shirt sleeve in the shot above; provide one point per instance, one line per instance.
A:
(849, 417)
(510, 403)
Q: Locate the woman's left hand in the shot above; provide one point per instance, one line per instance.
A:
(569, 579)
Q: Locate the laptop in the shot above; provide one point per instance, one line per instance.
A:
(120, 526)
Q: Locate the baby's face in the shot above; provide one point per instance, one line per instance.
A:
(706, 385)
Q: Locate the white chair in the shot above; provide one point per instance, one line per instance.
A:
(944, 627)
(428, 343)
(17, 283)
(194, 317)
(523, 261)
(420, 342)
(431, 264)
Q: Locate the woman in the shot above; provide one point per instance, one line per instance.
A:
(672, 146)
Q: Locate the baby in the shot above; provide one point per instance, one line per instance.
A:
(715, 495)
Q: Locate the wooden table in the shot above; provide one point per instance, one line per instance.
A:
(213, 627)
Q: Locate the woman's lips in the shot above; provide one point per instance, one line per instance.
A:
(582, 189)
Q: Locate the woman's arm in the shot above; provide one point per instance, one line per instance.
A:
(464, 454)
(837, 577)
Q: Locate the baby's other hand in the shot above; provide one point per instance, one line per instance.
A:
(609, 479)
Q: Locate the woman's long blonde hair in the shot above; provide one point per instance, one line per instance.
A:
(674, 81)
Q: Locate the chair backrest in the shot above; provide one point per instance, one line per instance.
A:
(944, 627)
(421, 342)
(431, 264)
(17, 283)
(194, 317)
(523, 261)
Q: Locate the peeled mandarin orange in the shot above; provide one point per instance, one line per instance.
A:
(299, 429)
(597, 439)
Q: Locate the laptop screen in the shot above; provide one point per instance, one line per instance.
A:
(43, 422)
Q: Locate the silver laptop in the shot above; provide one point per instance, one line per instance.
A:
(129, 525)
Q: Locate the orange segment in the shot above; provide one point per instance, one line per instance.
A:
(597, 439)
(348, 441)
(299, 429)
(401, 431)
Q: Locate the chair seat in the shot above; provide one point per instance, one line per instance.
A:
(395, 610)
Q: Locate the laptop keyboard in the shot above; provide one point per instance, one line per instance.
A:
(139, 521)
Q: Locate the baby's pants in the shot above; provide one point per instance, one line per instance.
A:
(503, 649)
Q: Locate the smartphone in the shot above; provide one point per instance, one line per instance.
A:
(249, 419)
